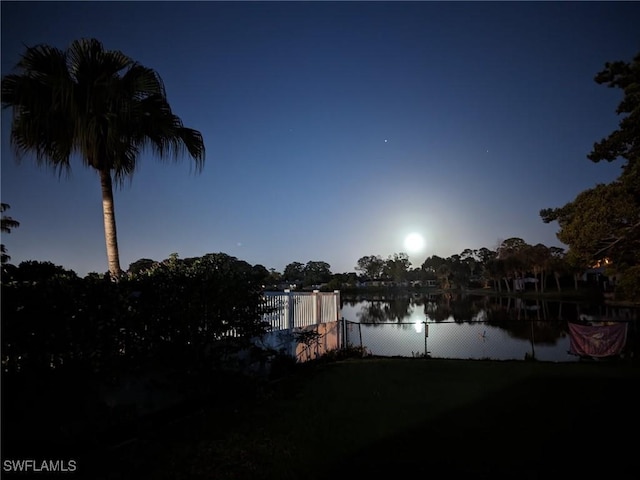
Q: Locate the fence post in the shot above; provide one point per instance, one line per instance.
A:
(426, 334)
(289, 311)
(316, 307)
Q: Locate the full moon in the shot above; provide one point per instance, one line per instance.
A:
(414, 242)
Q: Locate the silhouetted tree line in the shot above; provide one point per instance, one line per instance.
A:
(174, 309)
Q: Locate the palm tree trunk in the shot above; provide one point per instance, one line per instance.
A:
(110, 235)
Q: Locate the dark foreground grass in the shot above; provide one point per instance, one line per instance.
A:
(407, 418)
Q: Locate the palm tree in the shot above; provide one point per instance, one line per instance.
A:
(100, 105)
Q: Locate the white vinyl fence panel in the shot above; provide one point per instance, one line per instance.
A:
(301, 309)
(293, 312)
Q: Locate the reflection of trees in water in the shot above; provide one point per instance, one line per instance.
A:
(453, 307)
(495, 309)
(394, 310)
(540, 321)
(535, 320)
(374, 312)
(514, 309)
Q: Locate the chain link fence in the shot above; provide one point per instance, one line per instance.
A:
(479, 340)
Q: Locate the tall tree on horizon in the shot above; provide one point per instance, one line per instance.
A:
(604, 221)
(623, 143)
(99, 105)
(6, 224)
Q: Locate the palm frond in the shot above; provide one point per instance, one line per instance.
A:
(140, 82)
(194, 143)
(42, 61)
(89, 62)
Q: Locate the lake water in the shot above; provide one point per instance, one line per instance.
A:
(483, 327)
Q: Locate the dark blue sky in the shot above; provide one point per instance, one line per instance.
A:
(333, 129)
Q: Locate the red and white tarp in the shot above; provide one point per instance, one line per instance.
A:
(597, 340)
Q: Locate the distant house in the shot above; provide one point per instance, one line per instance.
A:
(597, 275)
(375, 283)
(390, 283)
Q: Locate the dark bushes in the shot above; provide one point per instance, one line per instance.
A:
(82, 356)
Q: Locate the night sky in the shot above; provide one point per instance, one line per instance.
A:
(333, 129)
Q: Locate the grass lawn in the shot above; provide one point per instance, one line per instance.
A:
(405, 418)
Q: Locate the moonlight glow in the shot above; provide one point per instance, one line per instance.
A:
(414, 242)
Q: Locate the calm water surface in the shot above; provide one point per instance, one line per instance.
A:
(473, 327)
